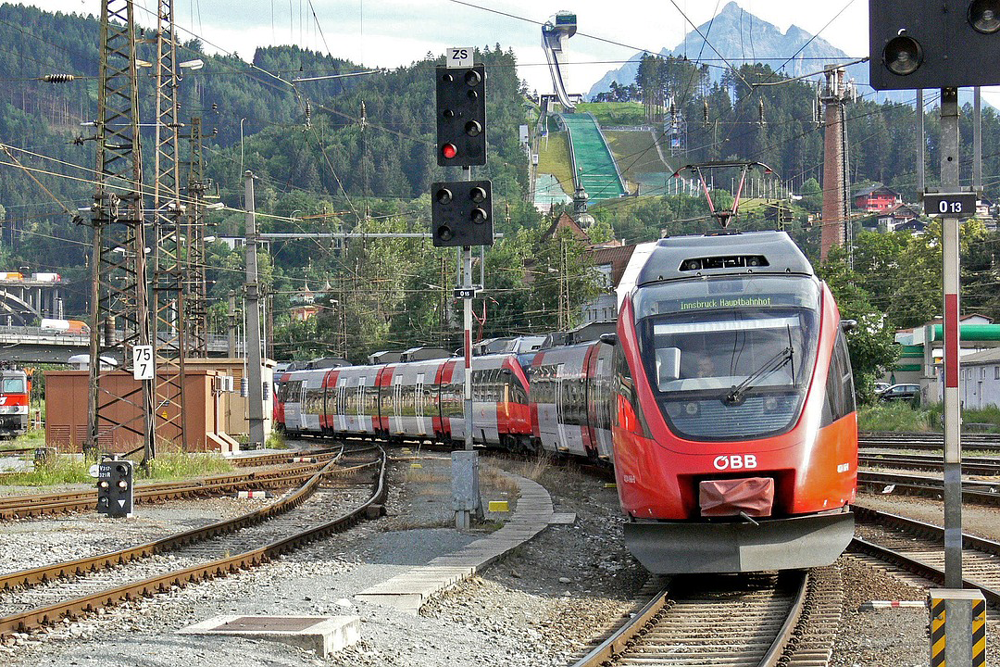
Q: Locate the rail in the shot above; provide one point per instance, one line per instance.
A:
(58, 503)
(650, 633)
(219, 567)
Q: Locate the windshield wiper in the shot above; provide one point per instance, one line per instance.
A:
(737, 393)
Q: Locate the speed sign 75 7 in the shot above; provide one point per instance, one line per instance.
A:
(143, 367)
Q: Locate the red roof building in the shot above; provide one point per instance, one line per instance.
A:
(876, 199)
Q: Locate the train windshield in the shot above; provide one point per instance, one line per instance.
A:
(12, 386)
(730, 358)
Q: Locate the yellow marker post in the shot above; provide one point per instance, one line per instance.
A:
(416, 465)
(958, 628)
(499, 506)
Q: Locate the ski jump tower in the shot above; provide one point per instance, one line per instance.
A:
(555, 31)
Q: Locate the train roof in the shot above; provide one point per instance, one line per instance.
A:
(767, 252)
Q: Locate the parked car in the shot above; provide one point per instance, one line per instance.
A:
(900, 392)
(881, 386)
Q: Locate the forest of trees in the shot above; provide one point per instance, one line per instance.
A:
(356, 155)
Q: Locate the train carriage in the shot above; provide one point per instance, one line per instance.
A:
(409, 396)
(305, 402)
(353, 409)
(559, 399)
(499, 401)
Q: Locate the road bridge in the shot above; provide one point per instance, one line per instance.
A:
(34, 345)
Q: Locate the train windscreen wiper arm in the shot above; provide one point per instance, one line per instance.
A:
(737, 393)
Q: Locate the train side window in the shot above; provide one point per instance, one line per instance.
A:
(839, 400)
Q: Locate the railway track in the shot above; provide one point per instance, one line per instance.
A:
(56, 503)
(987, 442)
(45, 595)
(918, 547)
(977, 492)
(987, 467)
(761, 620)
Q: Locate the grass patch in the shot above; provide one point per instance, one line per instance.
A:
(553, 158)
(533, 470)
(499, 483)
(615, 113)
(988, 417)
(176, 465)
(904, 418)
(33, 438)
(63, 469)
(55, 470)
(897, 416)
(276, 440)
(635, 153)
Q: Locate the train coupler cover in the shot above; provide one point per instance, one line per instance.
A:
(752, 496)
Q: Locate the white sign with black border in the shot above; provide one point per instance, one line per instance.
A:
(460, 57)
(143, 367)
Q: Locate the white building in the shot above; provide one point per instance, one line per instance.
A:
(978, 380)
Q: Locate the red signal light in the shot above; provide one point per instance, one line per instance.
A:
(449, 151)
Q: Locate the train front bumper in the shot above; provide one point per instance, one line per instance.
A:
(798, 542)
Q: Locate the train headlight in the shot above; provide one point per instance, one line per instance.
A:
(691, 409)
(770, 404)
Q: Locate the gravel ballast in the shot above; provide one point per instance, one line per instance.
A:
(544, 604)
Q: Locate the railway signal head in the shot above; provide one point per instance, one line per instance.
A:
(462, 213)
(115, 489)
(933, 43)
(461, 116)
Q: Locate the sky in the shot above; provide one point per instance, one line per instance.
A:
(390, 33)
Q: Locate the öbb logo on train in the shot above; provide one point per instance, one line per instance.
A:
(735, 462)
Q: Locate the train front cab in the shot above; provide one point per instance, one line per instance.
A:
(734, 427)
(14, 392)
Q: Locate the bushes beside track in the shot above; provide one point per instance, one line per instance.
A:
(904, 418)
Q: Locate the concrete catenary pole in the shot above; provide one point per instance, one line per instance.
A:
(952, 417)
(255, 389)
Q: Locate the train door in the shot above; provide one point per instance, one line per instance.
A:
(418, 404)
(397, 403)
(560, 411)
(360, 397)
(600, 400)
(293, 407)
(340, 419)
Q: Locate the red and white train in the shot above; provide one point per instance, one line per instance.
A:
(724, 401)
(15, 389)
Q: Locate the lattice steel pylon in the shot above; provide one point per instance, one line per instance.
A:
(195, 285)
(169, 343)
(120, 411)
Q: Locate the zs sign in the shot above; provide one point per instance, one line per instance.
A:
(460, 57)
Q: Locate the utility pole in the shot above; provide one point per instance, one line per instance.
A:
(952, 401)
(255, 389)
(118, 297)
(169, 340)
(195, 286)
(231, 319)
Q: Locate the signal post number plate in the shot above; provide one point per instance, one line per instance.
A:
(959, 204)
(143, 367)
(460, 57)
